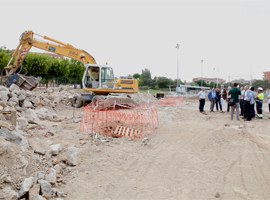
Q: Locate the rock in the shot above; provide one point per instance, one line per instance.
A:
(14, 87)
(10, 136)
(8, 194)
(14, 99)
(34, 191)
(46, 189)
(55, 149)
(45, 114)
(37, 197)
(3, 104)
(72, 156)
(40, 175)
(31, 116)
(40, 148)
(24, 145)
(4, 96)
(36, 101)
(22, 123)
(5, 125)
(28, 93)
(20, 109)
(27, 104)
(4, 146)
(26, 185)
(58, 169)
(51, 176)
(21, 97)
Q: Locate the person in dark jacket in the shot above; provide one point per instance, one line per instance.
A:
(218, 99)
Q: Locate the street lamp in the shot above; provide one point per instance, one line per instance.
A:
(201, 71)
(177, 80)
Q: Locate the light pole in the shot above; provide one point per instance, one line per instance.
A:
(177, 80)
(201, 71)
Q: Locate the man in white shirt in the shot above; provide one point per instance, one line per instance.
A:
(201, 95)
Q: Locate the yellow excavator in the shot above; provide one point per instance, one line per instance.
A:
(97, 79)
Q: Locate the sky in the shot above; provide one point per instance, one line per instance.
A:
(232, 37)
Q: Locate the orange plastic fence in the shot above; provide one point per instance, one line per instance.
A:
(132, 123)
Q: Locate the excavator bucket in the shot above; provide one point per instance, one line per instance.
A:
(24, 82)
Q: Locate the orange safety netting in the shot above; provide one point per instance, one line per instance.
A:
(132, 123)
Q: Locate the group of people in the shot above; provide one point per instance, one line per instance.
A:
(244, 98)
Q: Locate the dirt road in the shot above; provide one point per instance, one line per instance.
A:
(190, 156)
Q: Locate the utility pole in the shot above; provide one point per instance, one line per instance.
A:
(177, 80)
(201, 72)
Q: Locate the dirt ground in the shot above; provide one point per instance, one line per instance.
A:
(190, 156)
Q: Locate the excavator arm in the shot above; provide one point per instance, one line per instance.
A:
(27, 41)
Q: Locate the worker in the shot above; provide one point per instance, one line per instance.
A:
(201, 95)
(259, 102)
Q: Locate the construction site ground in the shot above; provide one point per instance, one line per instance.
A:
(189, 156)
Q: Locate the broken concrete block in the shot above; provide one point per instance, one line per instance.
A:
(45, 114)
(10, 136)
(72, 156)
(37, 197)
(8, 194)
(26, 185)
(21, 123)
(46, 189)
(58, 169)
(27, 104)
(19, 108)
(34, 191)
(41, 175)
(40, 148)
(51, 176)
(31, 116)
(55, 149)
(4, 146)
(36, 101)
(21, 97)
(14, 99)
(14, 87)
(4, 96)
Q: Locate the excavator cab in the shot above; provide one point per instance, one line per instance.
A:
(96, 76)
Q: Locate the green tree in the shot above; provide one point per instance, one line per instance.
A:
(137, 76)
(261, 83)
(4, 58)
(75, 72)
(146, 78)
(163, 82)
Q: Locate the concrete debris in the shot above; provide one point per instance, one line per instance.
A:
(55, 149)
(35, 169)
(22, 123)
(10, 136)
(51, 176)
(26, 185)
(40, 149)
(37, 197)
(72, 156)
(46, 189)
(8, 194)
(40, 175)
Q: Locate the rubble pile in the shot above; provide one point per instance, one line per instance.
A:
(31, 165)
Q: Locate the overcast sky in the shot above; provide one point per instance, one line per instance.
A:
(232, 37)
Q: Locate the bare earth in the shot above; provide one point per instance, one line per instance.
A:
(189, 156)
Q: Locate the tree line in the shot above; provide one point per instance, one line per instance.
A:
(59, 71)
